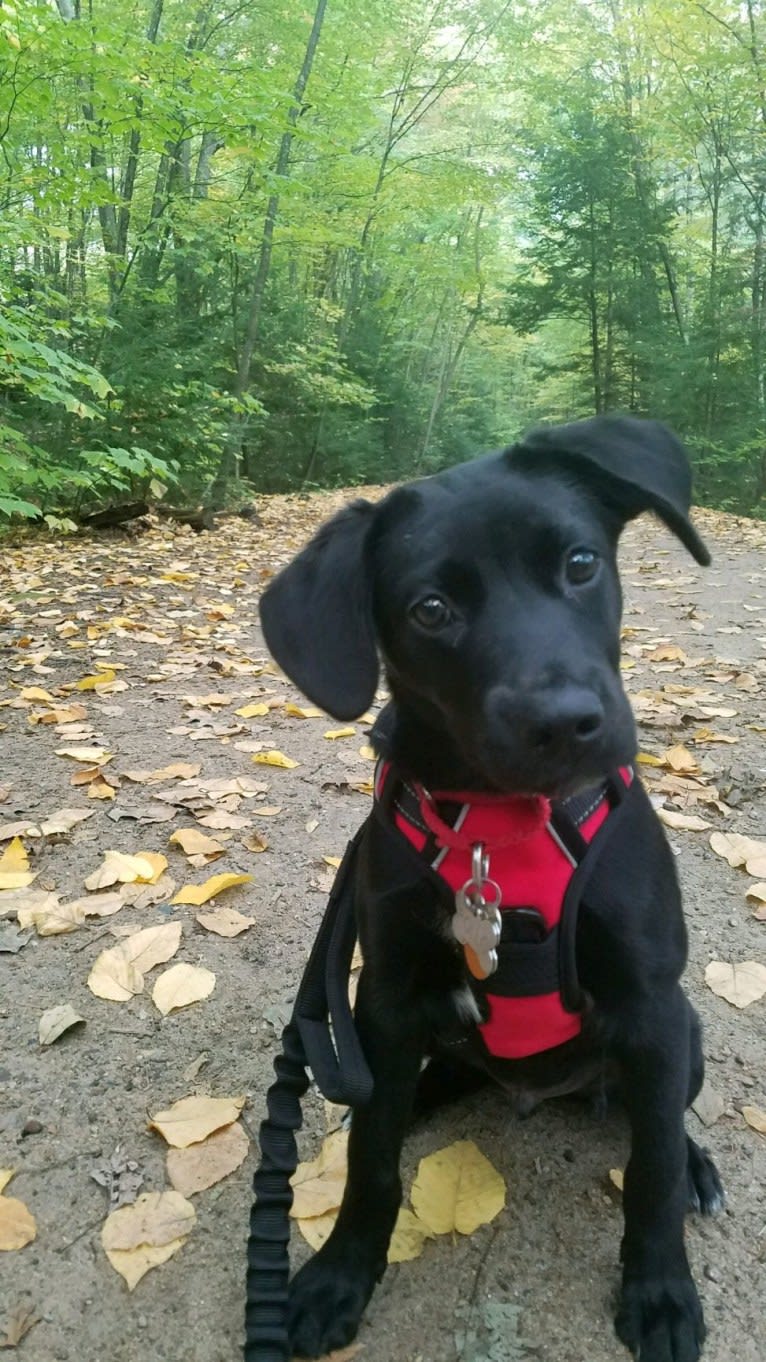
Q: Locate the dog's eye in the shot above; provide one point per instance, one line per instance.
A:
(581, 565)
(431, 613)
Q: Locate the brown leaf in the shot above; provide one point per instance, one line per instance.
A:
(202, 1165)
(18, 1323)
(139, 1237)
(192, 1119)
(17, 1224)
(224, 921)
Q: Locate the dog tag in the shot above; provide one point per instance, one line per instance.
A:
(477, 925)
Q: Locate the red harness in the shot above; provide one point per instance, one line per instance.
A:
(540, 856)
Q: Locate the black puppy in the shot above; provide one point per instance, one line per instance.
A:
(491, 592)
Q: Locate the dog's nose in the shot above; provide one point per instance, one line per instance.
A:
(556, 719)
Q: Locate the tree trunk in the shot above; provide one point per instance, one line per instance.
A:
(228, 465)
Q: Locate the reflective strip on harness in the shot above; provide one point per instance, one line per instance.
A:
(533, 857)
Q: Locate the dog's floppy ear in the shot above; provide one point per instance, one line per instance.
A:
(317, 617)
(640, 466)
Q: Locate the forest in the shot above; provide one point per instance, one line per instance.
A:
(264, 247)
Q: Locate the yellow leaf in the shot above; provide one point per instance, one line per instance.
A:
(680, 759)
(15, 858)
(180, 986)
(138, 1237)
(120, 868)
(367, 752)
(739, 850)
(38, 695)
(101, 789)
(457, 1189)
(224, 921)
(196, 843)
(252, 841)
(333, 733)
(115, 977)
(646, 759)
(617, 1178)
(318, 1184)
(103, 678)
(94, 756)
(17, 1224)
(740, 984)
(201, 893)
(408, 1238)
(252, 711)
(757, 892)
(204, 1164)
(685, 821)
(755, 1118)
(192, 1119)
(5, 1176)
(274, 758)
(316, 1229)
(334, 861)
(158, 863)
(300, 712)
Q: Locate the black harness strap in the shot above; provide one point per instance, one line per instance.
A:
(340, 1070)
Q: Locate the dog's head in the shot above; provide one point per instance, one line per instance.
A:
(491, 593)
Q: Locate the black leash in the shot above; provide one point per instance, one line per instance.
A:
(341, 1073)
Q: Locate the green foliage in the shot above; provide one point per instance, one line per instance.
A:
(476, 216)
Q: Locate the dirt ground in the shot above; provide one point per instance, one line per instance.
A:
(177, 614)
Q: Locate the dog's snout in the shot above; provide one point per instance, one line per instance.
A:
(572, 719)
(549, 722)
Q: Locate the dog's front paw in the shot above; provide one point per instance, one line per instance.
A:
(327, 1300)
(660, 1319)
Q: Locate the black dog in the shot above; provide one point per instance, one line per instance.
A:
(491, 592)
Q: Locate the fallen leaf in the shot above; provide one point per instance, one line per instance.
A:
(14, 866)
(457, 1189)
(302, 712)
(252, 841)
(196, 843)
(685, 821)
(368, 752)
(252, 711)
(103, 678)
(274, 758)
(115, 977)
(708, 1105)
(153, 945)
(316, 1229)
(755, 1118)
(5, 1176)
(21, 1319)
(192, 1119)
(56, 1020)
(201, 893)
(202, 1165)
(224, 921)
(617, 1178)
(408, 1238)
(93, 756)
(17, 1224)
(740, 984)
(139, 1237)
(318, 1184)
(182, 985)
(63, 821)
(334, 733)
(121, 868)
(739, 850)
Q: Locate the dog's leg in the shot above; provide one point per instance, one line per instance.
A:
(659, 1317)
(445, 1080)
(705, 1189)
(329, 1294)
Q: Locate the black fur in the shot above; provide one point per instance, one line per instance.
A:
(511, 683)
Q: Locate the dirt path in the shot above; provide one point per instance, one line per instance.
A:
(174, 617)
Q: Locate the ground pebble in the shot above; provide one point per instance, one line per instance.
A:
(32, 1127)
